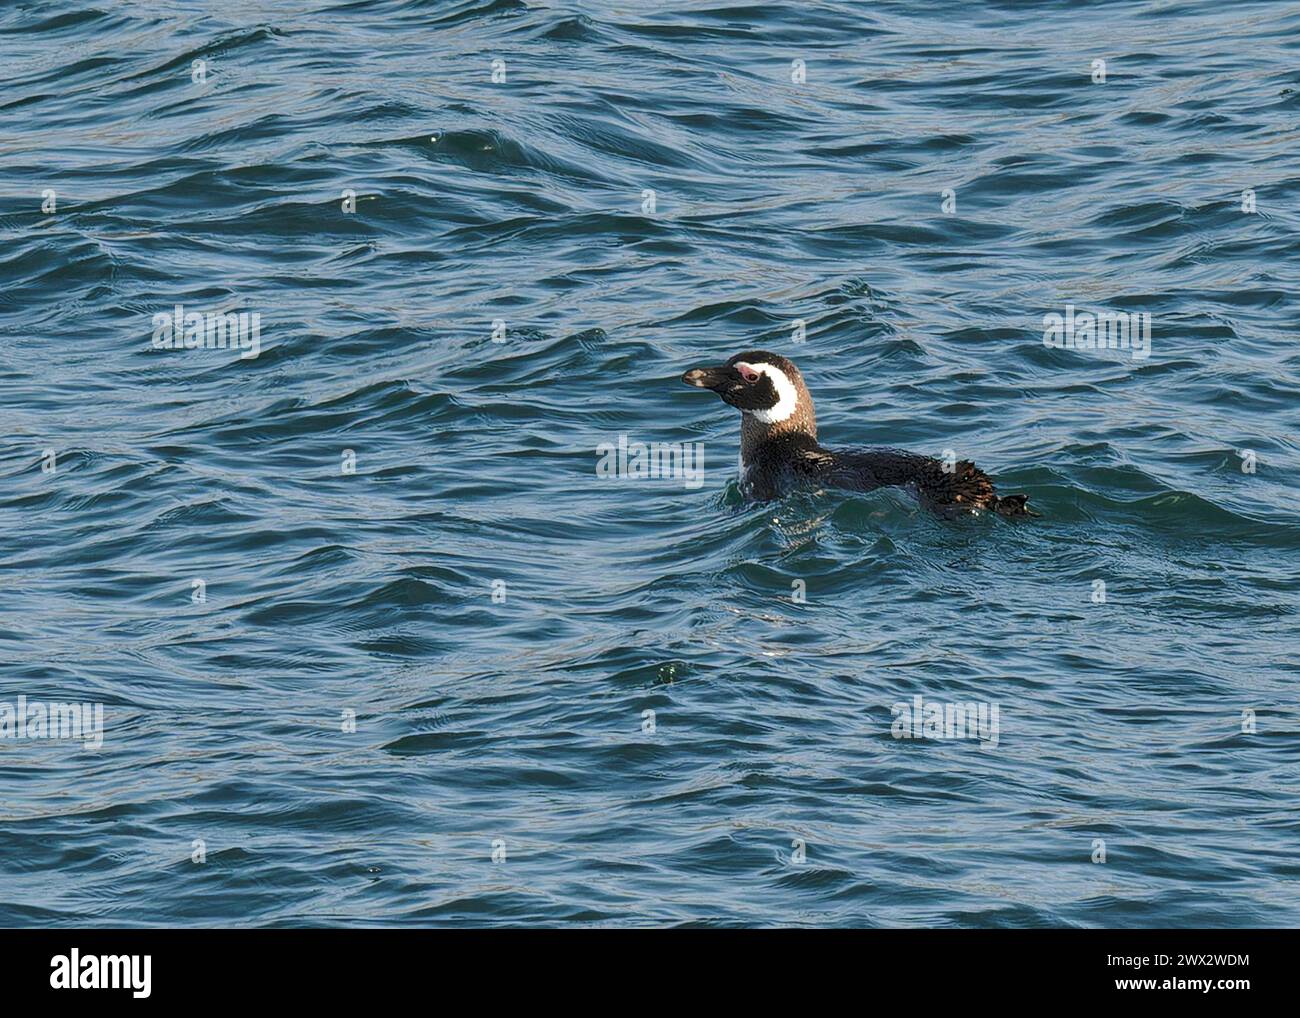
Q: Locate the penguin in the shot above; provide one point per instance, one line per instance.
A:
(779, 452)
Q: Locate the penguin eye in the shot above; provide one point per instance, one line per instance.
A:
(747, 373)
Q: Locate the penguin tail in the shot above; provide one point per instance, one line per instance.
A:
(1013, 506)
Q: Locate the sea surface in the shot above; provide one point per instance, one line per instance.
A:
(376, 644)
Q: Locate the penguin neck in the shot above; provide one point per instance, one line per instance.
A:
(754, 432)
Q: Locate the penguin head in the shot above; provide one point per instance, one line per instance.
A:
(765, 386)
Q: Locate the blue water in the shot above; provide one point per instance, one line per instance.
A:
(1158, 725)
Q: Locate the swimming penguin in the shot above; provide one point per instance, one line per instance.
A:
(779, 450)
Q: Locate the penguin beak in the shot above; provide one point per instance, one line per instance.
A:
(710, 378)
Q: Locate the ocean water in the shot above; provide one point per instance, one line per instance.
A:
(376, 644)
